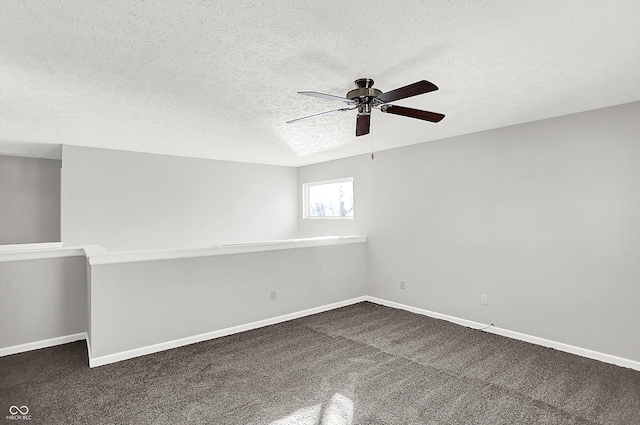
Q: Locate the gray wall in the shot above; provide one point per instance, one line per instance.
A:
(542, 217)
(135, 201)
(29, 200)
(136, 305)
(42, 299)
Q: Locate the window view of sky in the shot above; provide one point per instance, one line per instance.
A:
(330, 199)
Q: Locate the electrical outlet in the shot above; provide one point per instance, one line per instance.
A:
(484, 300)
(402, 284)
(273, 295)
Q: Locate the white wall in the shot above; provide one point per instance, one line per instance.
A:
(29, 200)
(42, 299)
(542, 217)
(138, 305)
(134, 201)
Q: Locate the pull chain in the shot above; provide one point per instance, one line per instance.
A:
(372, 155)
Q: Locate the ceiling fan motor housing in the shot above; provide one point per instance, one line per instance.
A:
(364, 94)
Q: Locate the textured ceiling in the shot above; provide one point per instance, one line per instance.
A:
(218, 79)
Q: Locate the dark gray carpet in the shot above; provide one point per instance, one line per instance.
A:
(362, 364)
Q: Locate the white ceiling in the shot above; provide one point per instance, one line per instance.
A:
(218, 79)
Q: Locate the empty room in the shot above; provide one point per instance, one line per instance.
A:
(320, 212)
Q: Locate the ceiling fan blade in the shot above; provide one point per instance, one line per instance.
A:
(320, 114)
(414, 89)
(412, 113)
(326, 96)
(363, 123)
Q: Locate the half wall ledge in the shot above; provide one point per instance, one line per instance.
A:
(105, 257)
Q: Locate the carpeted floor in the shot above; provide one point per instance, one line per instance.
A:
(361, 364)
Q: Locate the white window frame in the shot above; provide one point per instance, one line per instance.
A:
(305, 199)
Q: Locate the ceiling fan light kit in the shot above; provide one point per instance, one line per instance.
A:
(365, 98)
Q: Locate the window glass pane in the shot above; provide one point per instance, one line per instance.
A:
(332, 199)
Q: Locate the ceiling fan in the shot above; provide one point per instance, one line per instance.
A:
(365, 98)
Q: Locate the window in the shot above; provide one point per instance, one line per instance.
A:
(328, 199)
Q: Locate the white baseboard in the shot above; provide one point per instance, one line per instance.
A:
(584, 352)
(112, 358)
(42, 344)
(137, 352)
